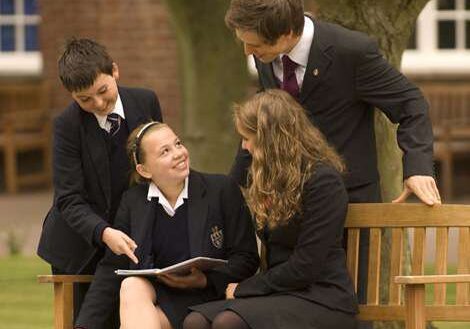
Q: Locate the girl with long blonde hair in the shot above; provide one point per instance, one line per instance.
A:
(298, 200)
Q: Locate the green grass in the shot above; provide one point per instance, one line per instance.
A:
(24, 303)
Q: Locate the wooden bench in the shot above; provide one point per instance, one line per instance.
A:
(400, 218)
(25, 125)
(28, 131)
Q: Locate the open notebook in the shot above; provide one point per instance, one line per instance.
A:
(202, 263)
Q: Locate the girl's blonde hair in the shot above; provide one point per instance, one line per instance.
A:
(134, 149)
(286, 149)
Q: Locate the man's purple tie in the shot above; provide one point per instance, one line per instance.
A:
(289, 82)
(115, 120)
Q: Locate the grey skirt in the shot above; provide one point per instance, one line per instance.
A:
(280, 311)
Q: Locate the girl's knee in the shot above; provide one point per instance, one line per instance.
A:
(136, 288)
(195, 320)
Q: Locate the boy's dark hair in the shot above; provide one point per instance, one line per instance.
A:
(82, 61)
(270, 19)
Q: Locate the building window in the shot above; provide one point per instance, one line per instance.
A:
(453, 17)
(19, 46)
(441, 40)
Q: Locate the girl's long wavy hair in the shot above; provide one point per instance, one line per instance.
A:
(286, 149)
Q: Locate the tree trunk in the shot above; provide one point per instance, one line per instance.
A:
(391, 23)
(214, 75)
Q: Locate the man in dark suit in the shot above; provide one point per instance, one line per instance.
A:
(91, 168)
(338, 76)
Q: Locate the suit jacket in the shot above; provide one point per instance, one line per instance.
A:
(305, 257)
(345, 79)
(82, 187)
(213, 201)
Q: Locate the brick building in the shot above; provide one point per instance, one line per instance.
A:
(138, 35)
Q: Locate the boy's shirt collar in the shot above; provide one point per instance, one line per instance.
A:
(299, 54)
(155, 192)
(118, 109)
(301, 50)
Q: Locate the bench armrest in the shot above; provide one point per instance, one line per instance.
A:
(64, 278)
(427, 279)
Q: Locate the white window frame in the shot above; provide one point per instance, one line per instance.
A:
(427, 58)
(20, 62)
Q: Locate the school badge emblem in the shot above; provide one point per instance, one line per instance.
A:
(217, 237)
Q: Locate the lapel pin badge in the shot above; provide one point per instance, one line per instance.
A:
(217, 237)
(315, 72)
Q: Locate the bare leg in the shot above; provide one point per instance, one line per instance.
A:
(137, 306)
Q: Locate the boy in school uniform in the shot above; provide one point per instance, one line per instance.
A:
(90, 165)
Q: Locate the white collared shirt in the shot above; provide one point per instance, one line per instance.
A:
(154, 192)
(118, 109)
(298, 54)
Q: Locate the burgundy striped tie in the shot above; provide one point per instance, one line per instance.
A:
(289, 82)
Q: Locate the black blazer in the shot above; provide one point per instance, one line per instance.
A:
(351, 78)
(213, 200)
(82, 188)
(306, 257)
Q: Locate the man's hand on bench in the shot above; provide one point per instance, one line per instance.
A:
(424, 187)
(120, 243)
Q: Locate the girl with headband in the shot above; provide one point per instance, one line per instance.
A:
(173, 213)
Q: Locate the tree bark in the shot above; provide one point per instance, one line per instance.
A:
(214, 75)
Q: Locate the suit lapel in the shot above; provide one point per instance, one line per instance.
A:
(98, 150)
(318, 62)
(197, 213)
(134, 117)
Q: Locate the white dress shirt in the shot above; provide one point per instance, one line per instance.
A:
(298, 54)
(118, 109)
(154, 192)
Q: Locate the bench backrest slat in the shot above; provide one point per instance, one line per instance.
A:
(417, 256)
(373, 278)
(396, 262)
(442, 240)
(353, 254)
(462, 265)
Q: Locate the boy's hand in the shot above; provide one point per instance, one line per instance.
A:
(229, 292)
(120, 243)
(195, 279)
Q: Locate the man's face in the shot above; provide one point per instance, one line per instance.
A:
(101, 97)
(254, 44)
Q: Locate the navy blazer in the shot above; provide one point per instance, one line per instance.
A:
(82, 188)
(213, 201)
(305, 257)
(346, 77)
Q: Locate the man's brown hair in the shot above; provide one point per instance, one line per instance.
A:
(270, 19)
(81, 63)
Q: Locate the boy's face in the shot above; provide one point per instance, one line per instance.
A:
(101, 97)
(254, 44)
